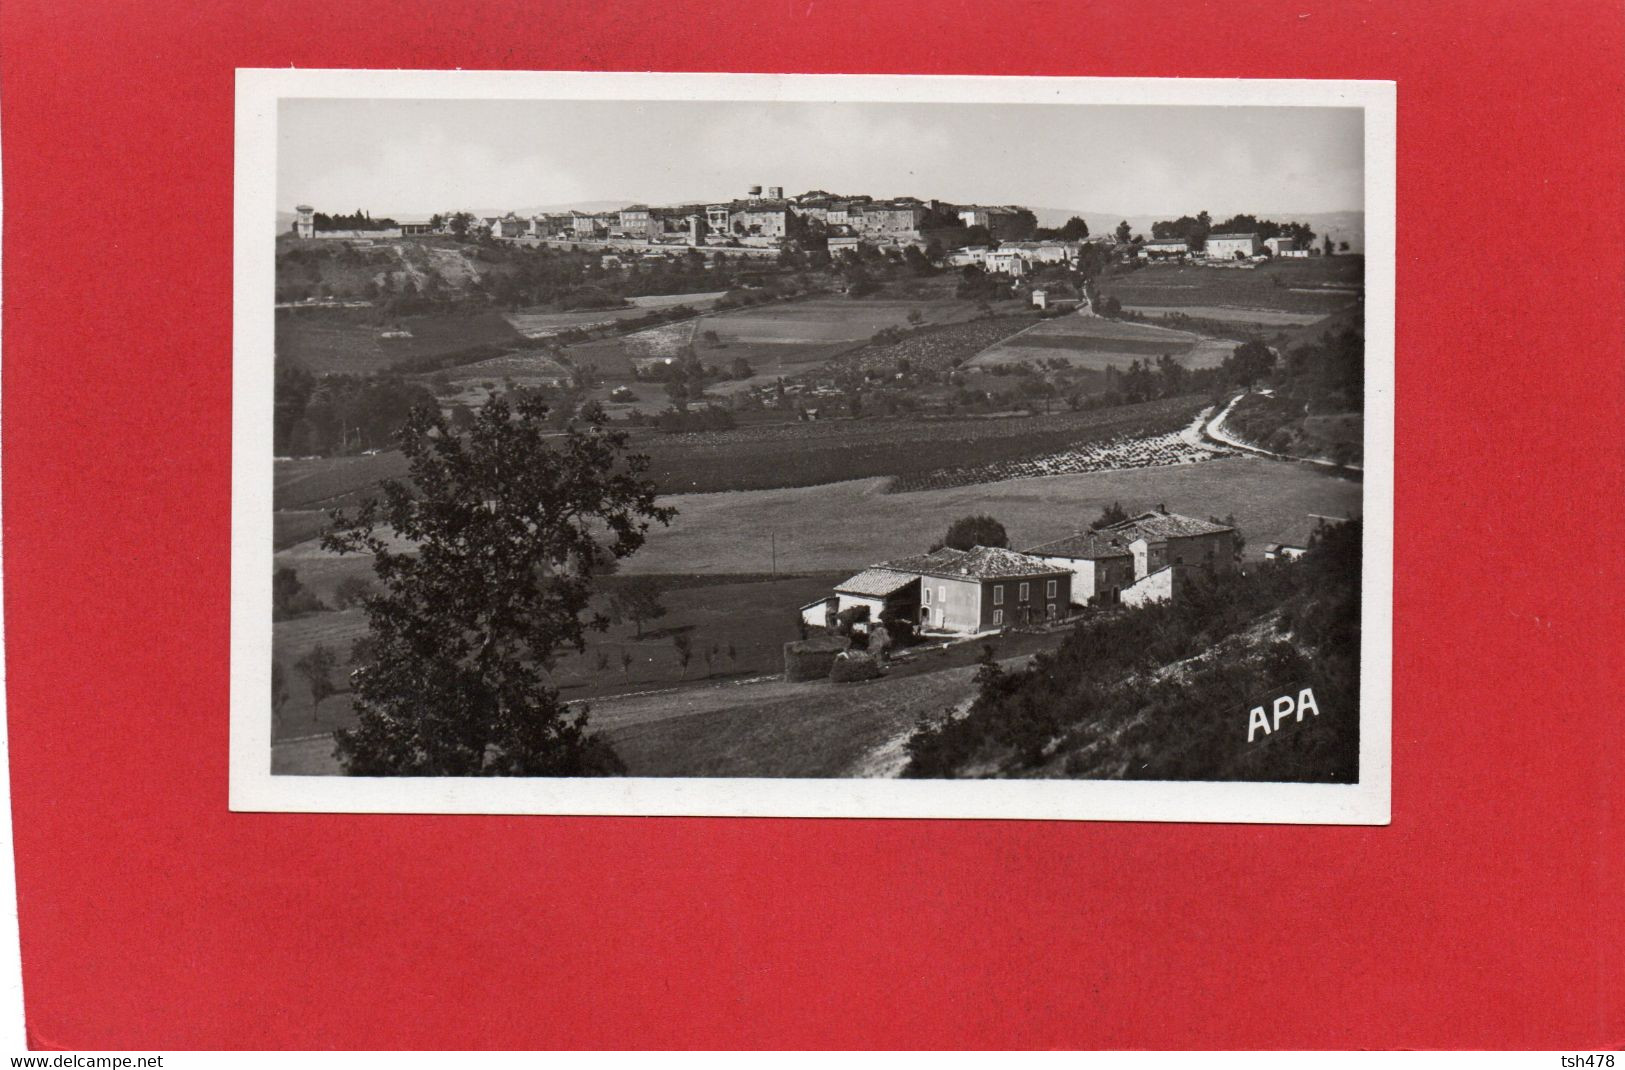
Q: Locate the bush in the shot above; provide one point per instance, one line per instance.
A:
(852, 666)
(812, 659)
(351, 591)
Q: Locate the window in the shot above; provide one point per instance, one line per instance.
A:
(1022, 597)
(942, 593)
(928, 596)
(1049, 589)
(998, 594)
(1049, 611)
(998, 617)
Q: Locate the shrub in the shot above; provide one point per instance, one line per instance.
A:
(851, 666)
(812, 659)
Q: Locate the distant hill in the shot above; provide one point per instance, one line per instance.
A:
(1342, 226)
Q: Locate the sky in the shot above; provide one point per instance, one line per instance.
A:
(417, 157)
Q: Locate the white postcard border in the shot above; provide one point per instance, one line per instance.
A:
(254, 788)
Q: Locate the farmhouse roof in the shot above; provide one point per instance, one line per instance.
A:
(1085, 546)
(938, 558)
(876, 582)
(1237, 236)
(1160, 525)
(990, 563)
(1172, 241)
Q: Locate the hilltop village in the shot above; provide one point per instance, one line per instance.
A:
(911, 446)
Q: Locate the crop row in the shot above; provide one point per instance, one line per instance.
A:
(1115, 454)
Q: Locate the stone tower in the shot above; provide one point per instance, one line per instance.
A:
(304, 224)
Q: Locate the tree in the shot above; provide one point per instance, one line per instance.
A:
(915, 317)
(684, 648)
(317, 666)
(626, 663)
(1111, 515)
(505, 526)
(279, 687)
(1124, 232)
(975, 530)
(459, 223)
(1250, 362)
(733, 658)
(637, 600)
(1075, 229)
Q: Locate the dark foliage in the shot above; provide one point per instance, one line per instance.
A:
(1111, 701)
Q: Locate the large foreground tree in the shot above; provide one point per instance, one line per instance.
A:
(485, 557)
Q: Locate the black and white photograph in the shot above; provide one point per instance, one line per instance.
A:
(813, 446)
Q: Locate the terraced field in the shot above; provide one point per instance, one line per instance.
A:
(1095, 343)
(1317, 285)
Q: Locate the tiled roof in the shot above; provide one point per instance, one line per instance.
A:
(1212, 237)
(989, 563)
(936, 559)
(876, 582)
(1085, 545)
(1166, 241)
(1165, 526)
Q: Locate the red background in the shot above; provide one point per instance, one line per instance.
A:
(1489, 913)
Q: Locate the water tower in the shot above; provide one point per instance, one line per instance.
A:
(756, 193)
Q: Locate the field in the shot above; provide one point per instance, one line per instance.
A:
(1261, 317)
(1095, 343)
(832, 451)
(1315, 285)
(776, 339)
(548, 324)
(343, 341)
(1117, 453)
(755, 615)
(849, 524)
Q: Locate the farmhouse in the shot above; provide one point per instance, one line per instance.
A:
(1101, 564)
(1142, 559)
(969, 254)
(1283, 245)
(963, 592)
(1231, 246)
(1297, 540)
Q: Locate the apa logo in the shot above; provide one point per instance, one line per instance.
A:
(1283, 708)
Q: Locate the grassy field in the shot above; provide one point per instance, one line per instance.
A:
(850, 524)
(1316, 284)
(328, 341)
(1096, 344)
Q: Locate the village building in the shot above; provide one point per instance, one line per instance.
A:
(888, 220)
(766, 219)
(634, 221)
(1044, 252)
(1006, 262)
(1003, 222)
(1231, 246)
(1164, 249)
(416, 226)
(967, 255)
(843, 244)
(304, 221)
